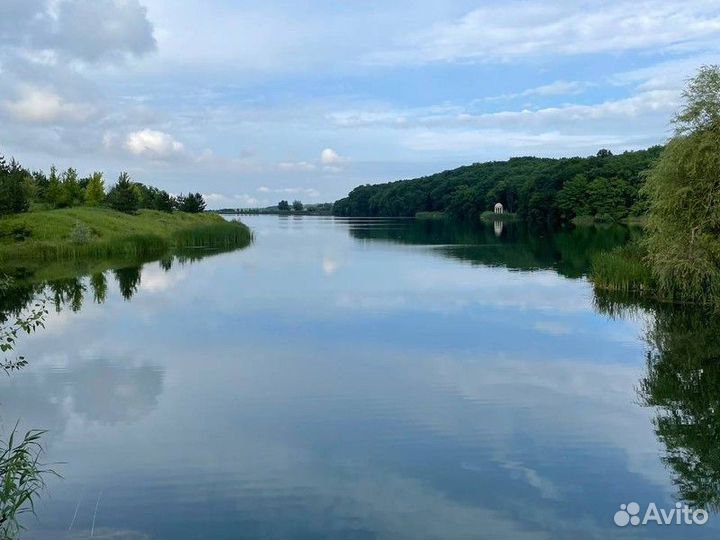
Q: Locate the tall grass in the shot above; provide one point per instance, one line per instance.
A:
(21, 478)
(219, 236)
(628, 270)
(623, 270)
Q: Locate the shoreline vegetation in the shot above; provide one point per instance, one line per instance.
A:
(62, 216)
(103, 232)
(678, 259)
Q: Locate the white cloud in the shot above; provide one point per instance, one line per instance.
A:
(557, 88)
(40, 105)
(94, 30)
(526, 29)
(296, 166)
(153, 144)
(218, 200)
(330, 157)
(558, 130)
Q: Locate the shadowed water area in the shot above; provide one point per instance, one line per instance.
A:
(365, 378)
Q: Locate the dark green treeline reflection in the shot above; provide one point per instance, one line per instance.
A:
(682, 384)
(513, 245)
(71, 291)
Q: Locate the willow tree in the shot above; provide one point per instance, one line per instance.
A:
(683, 240)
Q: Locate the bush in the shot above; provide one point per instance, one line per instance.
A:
(81, 234)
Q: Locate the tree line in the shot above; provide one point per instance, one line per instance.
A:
(22, 190)
(605, 187)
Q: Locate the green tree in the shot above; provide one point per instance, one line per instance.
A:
(297, 206)
(284, 206)
(123, 196)
(683, 190)
(164, 202)
(193, 203)
(72, 191)
(41, 185)
(55, 190)
(95, 191)
(572, 199)
(14, 189)
(607, 198)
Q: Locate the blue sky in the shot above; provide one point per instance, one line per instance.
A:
(251, 102)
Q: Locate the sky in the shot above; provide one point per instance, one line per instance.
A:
(253, 102)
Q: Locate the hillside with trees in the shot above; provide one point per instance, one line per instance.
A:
(605, 187)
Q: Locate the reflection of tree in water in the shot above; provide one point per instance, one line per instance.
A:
(682, 383)
(518, 246)
(98, 282)
(67, 291)
(129, 280)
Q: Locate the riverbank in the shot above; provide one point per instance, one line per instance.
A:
(101, 232)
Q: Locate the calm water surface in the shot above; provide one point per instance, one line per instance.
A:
(361, 378)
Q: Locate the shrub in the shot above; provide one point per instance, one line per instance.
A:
(81, 234)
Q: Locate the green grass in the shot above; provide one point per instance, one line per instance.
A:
(492, 216)
(623, 270)
(52, 235)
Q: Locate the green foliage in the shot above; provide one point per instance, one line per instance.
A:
(21, 478)
(284, 206)
(27, 323)
(123, 196)
(683, 190)
(14, 188)
(81, 234)
(193, 203)
(54, 193)
(95, 190)
(624, 270)
(154, 199)
(297, 206)
(537, 189)
(72, 192)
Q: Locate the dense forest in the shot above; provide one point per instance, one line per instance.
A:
(605, 187)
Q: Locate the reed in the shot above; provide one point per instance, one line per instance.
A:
(623, 270)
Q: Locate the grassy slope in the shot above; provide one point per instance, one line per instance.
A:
(48, 233)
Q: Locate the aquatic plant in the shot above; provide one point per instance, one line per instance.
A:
(21, 478)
